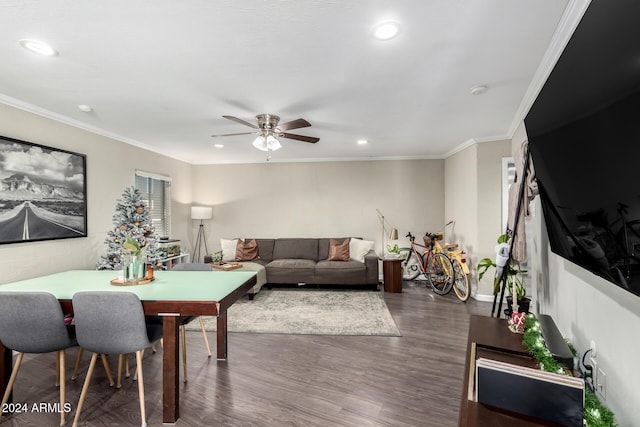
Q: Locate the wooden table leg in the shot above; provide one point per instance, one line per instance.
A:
(222, 336)
(170, 370)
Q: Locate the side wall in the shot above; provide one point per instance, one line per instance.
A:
(587, 308)
(321, 199)
(473, 188)
(110, 169)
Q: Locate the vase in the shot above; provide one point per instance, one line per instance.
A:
(127, 267)
(138, 266)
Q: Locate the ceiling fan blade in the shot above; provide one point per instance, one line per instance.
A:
(294, 124)
(242, 122)
(233, 134)
(299, 137)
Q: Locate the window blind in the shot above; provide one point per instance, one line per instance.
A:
(156, 192)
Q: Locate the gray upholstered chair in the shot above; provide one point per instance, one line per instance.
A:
(33, 322)
(112, 323)
(191, 266)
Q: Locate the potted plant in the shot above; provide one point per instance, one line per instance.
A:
(514, 278)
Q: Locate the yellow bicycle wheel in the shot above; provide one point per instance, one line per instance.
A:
(461, 281)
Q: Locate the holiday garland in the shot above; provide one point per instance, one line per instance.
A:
(595, 413)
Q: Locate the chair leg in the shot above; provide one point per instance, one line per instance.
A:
(135, 374)
(74, 375)
(63, 391)
(183, 335)
(85, 387)
(105, 362)
(119, 382)
(204, 334)
(12, 379)
(57, 371)
(143, 412)
(127, 373)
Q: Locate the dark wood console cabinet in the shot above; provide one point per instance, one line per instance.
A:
(491, 339)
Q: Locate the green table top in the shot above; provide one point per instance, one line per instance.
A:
(167, 286)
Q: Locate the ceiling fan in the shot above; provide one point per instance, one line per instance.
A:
(269, 130)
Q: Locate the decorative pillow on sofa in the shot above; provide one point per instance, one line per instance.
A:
(246, 251)
(228, 249)
(338, 251)
(358, 248)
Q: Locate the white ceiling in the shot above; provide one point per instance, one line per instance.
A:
(160, 74)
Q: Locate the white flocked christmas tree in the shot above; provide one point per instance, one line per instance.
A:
(131, 220)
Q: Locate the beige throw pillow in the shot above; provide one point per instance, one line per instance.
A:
(228, 247)
(338, 251)
(246, 251)
(359, 248)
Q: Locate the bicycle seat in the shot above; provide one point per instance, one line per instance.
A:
(450, 246)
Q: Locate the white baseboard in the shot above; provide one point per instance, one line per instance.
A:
(483, 297)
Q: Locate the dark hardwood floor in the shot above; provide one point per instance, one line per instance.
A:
(289, 380)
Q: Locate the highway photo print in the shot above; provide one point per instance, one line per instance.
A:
(42, 192)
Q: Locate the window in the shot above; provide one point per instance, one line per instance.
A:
(156, 192)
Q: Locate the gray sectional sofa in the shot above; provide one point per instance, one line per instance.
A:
(304, 261)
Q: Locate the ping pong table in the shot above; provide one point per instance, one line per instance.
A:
(173, 295)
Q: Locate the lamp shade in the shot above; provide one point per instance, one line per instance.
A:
(394, 234)
(201, 212)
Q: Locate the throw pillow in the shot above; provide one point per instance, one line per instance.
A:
(228, 249)
(358, 248)
(246, 251)
(338, 251)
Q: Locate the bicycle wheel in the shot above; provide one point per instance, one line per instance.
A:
(410, 266)
(461, 283)
(440, 273)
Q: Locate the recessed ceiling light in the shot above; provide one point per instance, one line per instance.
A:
(85, 108)
(37, 46)
(218, 145)
(478, 90)
(362, 142)
(386, 30)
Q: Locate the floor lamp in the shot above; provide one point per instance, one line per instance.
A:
(201, 212)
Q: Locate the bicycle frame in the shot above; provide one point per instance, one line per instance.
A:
(424, 257)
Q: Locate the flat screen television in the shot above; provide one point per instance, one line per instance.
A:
(584, 138)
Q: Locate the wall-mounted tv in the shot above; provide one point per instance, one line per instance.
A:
(584, 137)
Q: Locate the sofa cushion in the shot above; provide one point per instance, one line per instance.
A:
(340, 272)
(338, 250)
(290, 248)
(290, 270)
(265, 249)
(246, 250)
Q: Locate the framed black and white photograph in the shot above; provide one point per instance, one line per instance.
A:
(43, 192)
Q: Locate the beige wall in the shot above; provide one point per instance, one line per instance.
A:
(461, 202)
(321, 199)
(110, 169)
(473, 189)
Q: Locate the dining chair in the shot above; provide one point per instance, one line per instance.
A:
(33, 322)
(191, 266)
(112, 323)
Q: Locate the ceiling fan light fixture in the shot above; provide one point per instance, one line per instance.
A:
(273, 143)
(266, 143)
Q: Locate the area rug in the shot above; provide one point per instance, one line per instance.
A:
(309, 312)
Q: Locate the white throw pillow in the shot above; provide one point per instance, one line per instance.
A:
(358, 248)
(228, 249)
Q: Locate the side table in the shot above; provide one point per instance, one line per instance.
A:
(392, 273)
